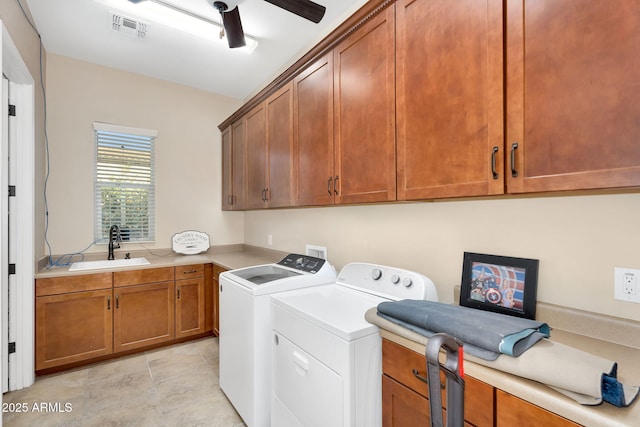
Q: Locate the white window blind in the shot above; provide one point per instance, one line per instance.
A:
(124, 182)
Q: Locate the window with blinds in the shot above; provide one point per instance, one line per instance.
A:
(124, 182)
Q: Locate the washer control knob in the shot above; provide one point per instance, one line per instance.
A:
(407, 282)
(376, 274)
(395, 279)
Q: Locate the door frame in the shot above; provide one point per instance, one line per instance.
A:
(14, 68)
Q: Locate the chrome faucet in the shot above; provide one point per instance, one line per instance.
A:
(114, 240)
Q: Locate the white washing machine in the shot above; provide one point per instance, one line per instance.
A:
(327, 359)
(245, 328)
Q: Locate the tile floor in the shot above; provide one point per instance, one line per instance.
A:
(172, 386)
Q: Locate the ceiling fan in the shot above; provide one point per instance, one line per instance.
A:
(232, 24)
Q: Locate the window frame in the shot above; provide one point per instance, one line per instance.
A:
(99, 185)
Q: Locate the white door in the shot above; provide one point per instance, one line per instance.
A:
(9, 237)
(4, 223)
(17, 135)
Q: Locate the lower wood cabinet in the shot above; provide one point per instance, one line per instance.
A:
(216, 297)
(85, 317)
(190, 300)
(143, 315)
(73, 327)
(515, 411)
(402, 406)
(405, 397)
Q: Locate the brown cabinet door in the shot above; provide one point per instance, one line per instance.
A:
(209, 312)
(73, 327)
(449, 98)
(572, 86)
(313, 134)
(190, 307)
(216, 298)
(227, 170)
(512, 411)
(238, 148)
(143, 315)
(405, 366)
(280, 147)
(403, 407)
(256, 140)
(364, 78)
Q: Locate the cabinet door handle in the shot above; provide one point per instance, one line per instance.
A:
(514, 171)
(494, 153)
(423, 378)
(420, 377)
(335, 185)
(178, 292)
(189, 271)
(329, 186)
(117, 301)
(108, 302)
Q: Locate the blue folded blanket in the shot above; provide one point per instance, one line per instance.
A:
(485, 334)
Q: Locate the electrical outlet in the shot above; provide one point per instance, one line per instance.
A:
(626, 284)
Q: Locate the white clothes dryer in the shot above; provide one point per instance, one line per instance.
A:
(327, 359)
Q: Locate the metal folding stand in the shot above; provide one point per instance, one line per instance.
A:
(454, 374)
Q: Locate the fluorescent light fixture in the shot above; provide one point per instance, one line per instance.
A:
(182, 20)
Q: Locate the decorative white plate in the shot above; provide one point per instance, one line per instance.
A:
(190, 242)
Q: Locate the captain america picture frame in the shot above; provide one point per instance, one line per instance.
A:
(500, 284)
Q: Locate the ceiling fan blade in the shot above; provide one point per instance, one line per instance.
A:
(307, 9)
(233, 28)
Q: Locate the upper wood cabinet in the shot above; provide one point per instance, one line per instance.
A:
(344, 115)
(480, 97)
(449, 98)
(256, 149)
(364, 113)
(233, 166)
(279, 108)
(227, 170)
(313, 134)
(269, 128)
(572, 83)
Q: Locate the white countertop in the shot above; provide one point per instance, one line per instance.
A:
(538, 393)
(229, 256)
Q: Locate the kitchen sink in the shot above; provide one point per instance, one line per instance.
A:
(95, 265)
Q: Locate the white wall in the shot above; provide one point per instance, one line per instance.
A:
(188, 155)
(578, 240)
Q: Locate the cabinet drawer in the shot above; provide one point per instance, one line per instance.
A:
(138, 277)
(189, 271)
(68, 284)
(398, 362)
(515, 411)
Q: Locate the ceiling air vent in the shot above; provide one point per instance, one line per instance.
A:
(129, 26)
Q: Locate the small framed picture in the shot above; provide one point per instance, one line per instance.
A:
(500, 284)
